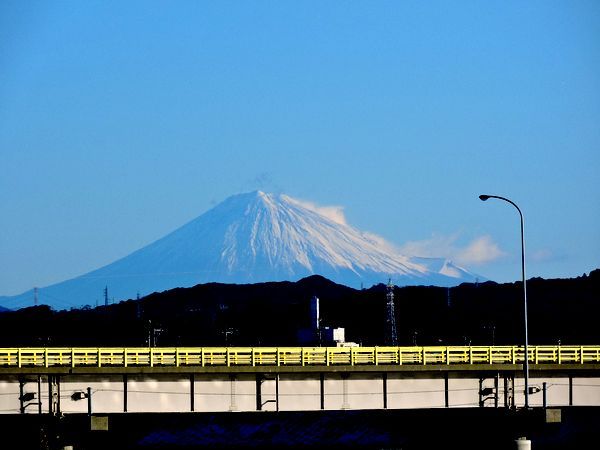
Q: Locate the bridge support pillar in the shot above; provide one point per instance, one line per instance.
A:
(57, 401)
(570, 390)
(260, 379)
(39, 396)
(277, 392)
(192, 392)
(124, 392)
(544, 395)
(258, 392)
(50, 405)
(53, 394)
(22, 393)
(232, 404)
(446, 391)
(345, 404)
(509, 383)
(481, 393)
(89, 400)
(322, 389)
(496, 389)
(384, 377)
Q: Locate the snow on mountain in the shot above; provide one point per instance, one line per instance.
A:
(250, 238)
(446, 267)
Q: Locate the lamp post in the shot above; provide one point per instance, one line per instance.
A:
(526, 365)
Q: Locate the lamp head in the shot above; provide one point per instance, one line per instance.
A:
(483, 198)
(27, 396)
(78, 396)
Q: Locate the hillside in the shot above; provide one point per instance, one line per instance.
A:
(560, 310)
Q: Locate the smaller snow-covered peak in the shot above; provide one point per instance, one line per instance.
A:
(447, 268)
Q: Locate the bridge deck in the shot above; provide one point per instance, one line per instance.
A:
(295, 359)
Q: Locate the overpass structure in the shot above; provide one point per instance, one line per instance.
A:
(53, 380)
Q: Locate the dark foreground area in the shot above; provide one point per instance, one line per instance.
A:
(481, 428)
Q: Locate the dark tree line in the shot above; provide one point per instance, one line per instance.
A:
(562, 311)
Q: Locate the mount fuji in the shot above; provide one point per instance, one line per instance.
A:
(250, 238)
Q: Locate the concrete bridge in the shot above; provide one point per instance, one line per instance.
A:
(214, 379)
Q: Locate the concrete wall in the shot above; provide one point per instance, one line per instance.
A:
(297, 392)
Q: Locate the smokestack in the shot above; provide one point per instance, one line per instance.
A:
(315, 321)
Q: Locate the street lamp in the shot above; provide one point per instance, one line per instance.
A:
(526, 366)
(80, 395)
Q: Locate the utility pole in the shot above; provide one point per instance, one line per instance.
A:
(106, 296)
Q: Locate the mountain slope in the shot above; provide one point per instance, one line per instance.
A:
(250, 238)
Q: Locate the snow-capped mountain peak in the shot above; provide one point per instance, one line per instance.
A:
(256, 237)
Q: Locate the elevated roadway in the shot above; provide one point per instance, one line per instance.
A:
(212, 379)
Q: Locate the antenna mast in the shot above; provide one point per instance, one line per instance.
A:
(392, 334)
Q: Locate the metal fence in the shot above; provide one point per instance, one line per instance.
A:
(293, 356)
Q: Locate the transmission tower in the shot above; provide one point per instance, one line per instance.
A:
(391, 332)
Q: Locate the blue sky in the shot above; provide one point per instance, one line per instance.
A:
(120, 121)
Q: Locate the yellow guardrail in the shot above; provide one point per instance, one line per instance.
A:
(293, 356)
